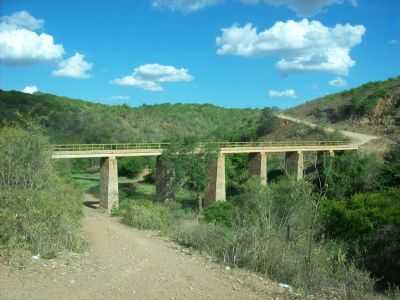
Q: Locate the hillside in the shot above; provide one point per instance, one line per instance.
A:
(75, 121)
(372, 108)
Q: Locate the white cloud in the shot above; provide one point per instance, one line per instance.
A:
(23, 19)
(304, 8)
(338, 82)
(120, 97)
(74, 67)
(282, 94)
(30, 89)
(394, 42)
(149, 77)
(184, 5)
(300, 46)
(19, 44)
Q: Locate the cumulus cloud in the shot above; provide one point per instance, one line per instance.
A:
(74, 67)
(282, 94)
(300, 46)
(120, 97)
(20, 44)
(23, 19)
(150, 76)
(303, 8)
(184, 5)
(338, 82)
(30, 89)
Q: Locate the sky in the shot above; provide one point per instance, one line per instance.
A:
(232, 53)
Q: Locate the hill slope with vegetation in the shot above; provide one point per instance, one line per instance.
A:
(73, 121)
(371, 108)
(67, 120)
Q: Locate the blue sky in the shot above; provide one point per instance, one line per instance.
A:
(238, 53)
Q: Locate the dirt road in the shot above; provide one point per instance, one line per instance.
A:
(355, 137)
(124, 263)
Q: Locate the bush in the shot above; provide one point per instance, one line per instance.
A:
(131, 167)
(370, 224)
(38, 210)
(219, 213)
(390, 176)
(350, 173)
(272, 232)
(147, 215)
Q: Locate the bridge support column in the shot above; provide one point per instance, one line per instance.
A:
(109, 183)
(215, 190)
(322, 154)
(294, 164)
(164, 181)
(258, 166)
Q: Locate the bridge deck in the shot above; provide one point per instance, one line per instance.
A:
(156, 149)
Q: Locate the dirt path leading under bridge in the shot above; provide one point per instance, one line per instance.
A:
(124, 263)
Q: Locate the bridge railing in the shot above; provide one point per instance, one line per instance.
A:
(159, 146)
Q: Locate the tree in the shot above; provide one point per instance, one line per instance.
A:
(390, 175)
(267, 122)
(351, 173)
(186, 164)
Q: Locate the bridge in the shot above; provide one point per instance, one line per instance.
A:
(215, 191)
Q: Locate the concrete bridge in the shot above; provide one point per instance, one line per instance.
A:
(257, 151)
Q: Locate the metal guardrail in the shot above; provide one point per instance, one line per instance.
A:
(160, 146)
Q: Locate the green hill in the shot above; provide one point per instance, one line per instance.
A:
(372, 108)
(75, 121)
(68, 120)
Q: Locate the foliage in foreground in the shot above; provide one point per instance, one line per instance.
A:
(268, 230)
(39, 212)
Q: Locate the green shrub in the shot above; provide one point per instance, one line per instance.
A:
(390, 175)
(350, 173)
(219, 213)
(131, 166)
(38, 210)
(355, 219)
(147, 215)
(370, 224)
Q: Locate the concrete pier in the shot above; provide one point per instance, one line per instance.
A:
(258, 166)
(294, 164)
(109, 183)
(164, 181)
(215, 190)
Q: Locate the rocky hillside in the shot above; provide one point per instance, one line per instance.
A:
(371, 108)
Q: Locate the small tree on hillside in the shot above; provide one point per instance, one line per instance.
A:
(267, 122)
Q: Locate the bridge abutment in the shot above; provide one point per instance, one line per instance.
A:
(258, 166)
(215, 190)
(294, 164)
(109, 183)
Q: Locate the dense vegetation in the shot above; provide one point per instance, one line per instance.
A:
(39, 212)
(372, 107)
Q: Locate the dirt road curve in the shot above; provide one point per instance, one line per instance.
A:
(124, 263)
(357, 138)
